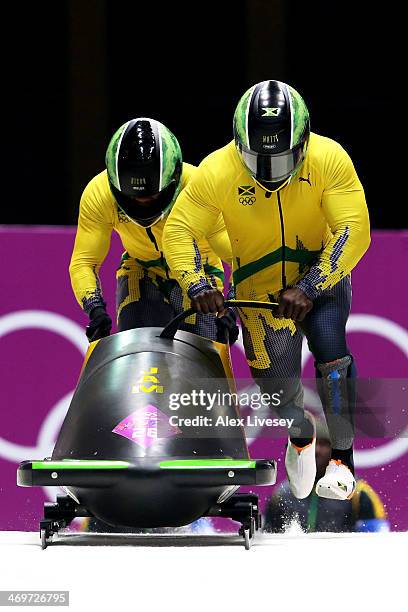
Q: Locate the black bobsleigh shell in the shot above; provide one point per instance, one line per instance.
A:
(128, 378)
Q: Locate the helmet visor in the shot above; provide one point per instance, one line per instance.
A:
(272, 168)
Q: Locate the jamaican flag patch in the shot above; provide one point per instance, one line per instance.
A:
(246, 190)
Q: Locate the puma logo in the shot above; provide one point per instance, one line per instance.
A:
(306, 180)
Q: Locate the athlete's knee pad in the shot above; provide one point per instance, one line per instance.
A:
(335, 382)
(342, 366)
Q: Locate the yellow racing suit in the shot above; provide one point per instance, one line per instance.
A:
(143, 277)
(310, 234)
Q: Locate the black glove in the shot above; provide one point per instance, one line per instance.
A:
(227, 328)
(100, 324)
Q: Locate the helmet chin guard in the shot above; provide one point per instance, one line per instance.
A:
(272, 187)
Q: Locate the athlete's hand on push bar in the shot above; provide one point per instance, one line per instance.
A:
(100, 324)
(294, 304)
(208, 300)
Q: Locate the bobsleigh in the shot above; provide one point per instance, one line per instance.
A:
(127, 457)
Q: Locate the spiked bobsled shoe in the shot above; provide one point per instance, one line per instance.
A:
(337, 483)
(300, 463)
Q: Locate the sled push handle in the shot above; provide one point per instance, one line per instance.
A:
(170, 330)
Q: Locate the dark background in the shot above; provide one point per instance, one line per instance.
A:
(74, 71)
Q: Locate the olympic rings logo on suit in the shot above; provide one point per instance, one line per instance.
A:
(247, 200)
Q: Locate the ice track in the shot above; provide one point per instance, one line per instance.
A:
(296, 571)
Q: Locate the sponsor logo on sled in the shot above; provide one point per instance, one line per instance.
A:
(149, 382)
(143, 425)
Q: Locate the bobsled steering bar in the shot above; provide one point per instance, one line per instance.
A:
(171, 328)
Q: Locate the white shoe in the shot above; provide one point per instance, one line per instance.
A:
(337, 483)
(300, 466)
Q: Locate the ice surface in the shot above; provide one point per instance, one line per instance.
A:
(296, 571)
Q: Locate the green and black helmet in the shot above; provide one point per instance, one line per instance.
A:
(144, 161)
(271, 131)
